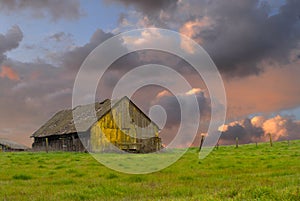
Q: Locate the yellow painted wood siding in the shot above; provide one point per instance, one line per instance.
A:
(120, 129)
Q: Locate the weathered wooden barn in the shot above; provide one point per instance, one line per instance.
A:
(113, 130)
(8, 145)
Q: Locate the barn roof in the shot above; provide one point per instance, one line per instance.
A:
(63, 123)
(12, 144)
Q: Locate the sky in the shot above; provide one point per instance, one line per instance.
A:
(255, 45)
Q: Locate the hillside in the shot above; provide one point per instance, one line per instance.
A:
(246, 173)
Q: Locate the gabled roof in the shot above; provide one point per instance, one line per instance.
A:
(63, 123)
(12, 144)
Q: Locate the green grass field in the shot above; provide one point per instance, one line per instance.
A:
(246, 173)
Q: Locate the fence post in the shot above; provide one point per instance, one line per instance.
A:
(47, 144)
(201, 143)
(271, 141)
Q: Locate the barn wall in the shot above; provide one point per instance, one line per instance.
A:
(3, 147)
(126, 128)
(67, 142)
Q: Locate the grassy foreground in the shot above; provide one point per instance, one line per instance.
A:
(246, 173)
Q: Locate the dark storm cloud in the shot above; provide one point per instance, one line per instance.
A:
(259, 128)
(144, 57)
(151, 9)
(74, 58)
(245, 131)
(243, 35)
(238, 35)
(9, 41)
(293, 130)
(67, 9)
(146, 5)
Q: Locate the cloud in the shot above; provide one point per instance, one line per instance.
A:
(74, 58)
(238, 35)
(277, 127)
(173, 111)
(170, 103)
(153, 11)
(145, 5)
(60, 36)
(163, 93)
(258, 129)
(258, 121)
(241, 38)
(68, 9)
(146, 37)
(244, 130)
(190, 29)
(193, 91)
(10, 41)
(9, 73)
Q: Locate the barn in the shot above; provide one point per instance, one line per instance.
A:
(113, 130)
(8, 145)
